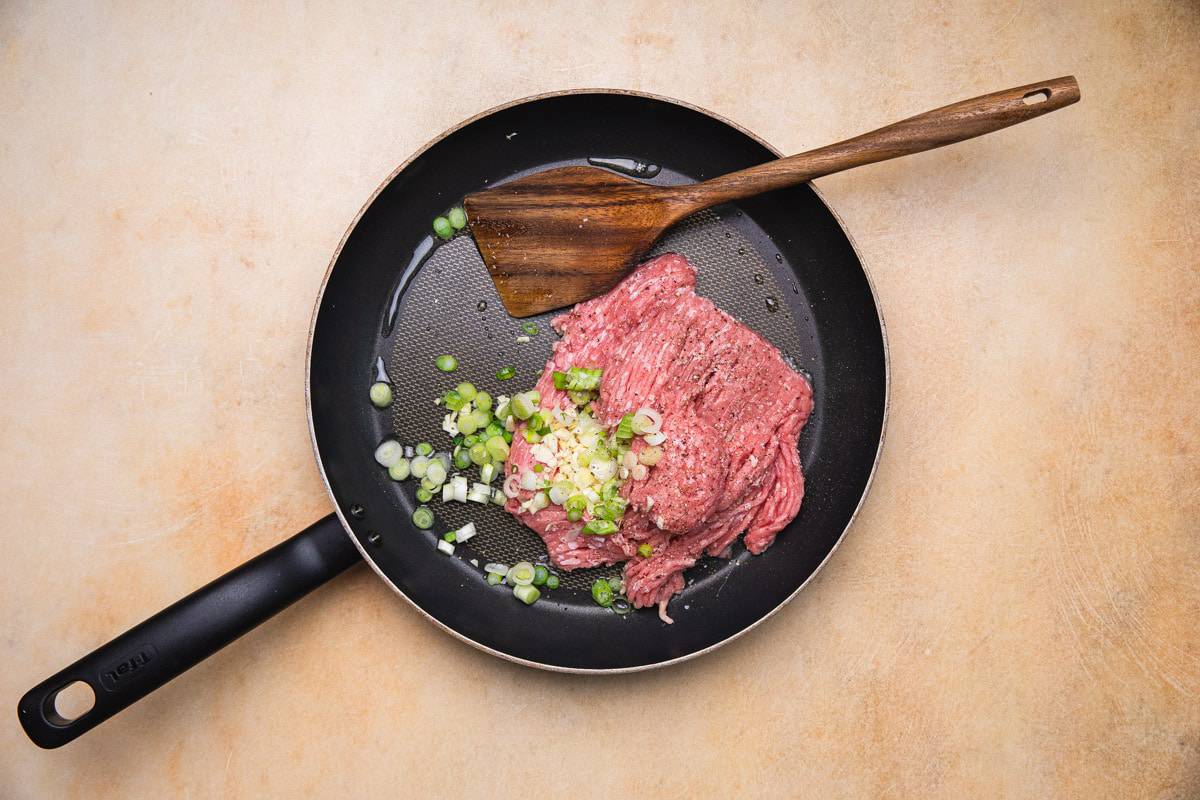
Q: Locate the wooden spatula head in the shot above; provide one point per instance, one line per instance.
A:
(558, 237)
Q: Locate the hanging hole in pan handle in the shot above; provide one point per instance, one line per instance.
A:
(1035, 97)
(116, 675)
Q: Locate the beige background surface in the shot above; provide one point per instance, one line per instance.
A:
(1014, 614)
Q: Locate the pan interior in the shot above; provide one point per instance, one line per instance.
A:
(825, 320)
(450, 305)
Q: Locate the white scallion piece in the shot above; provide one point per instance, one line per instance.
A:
(655, 439)
(389, 453)
(512, 485)
(445, 547)
(466, 532)
(418, 466)
(447, 492)
(648, 420)
(487, 473)
(436, 472)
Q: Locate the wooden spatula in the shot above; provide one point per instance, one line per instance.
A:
(561, 236)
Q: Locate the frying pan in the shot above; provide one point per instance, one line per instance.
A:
(392, 299)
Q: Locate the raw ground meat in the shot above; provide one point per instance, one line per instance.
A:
(732, 413)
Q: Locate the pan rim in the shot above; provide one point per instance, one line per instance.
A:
(887, 385)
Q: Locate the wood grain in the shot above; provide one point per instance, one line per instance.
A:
(563, 235)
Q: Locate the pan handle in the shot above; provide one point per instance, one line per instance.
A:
(174, 640)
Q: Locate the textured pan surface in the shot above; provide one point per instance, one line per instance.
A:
(826, 320)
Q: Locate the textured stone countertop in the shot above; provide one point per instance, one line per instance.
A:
(1013, 615)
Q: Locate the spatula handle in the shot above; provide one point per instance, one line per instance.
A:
(953, 123)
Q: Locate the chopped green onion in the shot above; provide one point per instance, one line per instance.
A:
(645, 550)
(381, 394)
(435, 473)
(422, 517)
(540, 574)
(523, 405)
(600, 527)
(493, 429)
(469, 441)
(560, 380)
(442, 227)
(602, 593)
(551, 581)
(625, 428)
(450, 537)
(574, 516)
(389, 453)
(505, 373)
(461, 459)
(532, 437)
(453, 400)
(535, 396)
(424, 495)
(497, 569)
(508, 437)
(483, 400)
(467, 390)
(521, 574)
(424, 449)
(482, 418)
(446, 363)
(445, 547)
(576, 502)
(583, 380)
(497, 448)
(539, 467)
(466, 532)
(400, 470)
(487, 472)
(418, 466)
(580, 399)
(614, 584)
(478, 454)
(457, 218)
(527, 594)
(493, 579)
(530, 328)
(466, 422)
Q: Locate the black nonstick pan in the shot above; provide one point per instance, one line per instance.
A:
(394, 298)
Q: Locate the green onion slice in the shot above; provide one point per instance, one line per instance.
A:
(423, 517)
(381, 395)
(600, 527)
(602, 593)
(526, 594)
